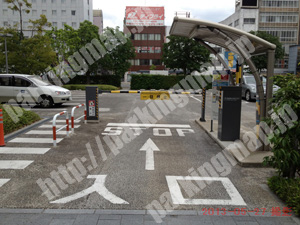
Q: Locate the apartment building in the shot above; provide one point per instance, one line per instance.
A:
(279, 18)
(98, 19)
(58, 12)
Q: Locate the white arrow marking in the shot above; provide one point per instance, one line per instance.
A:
(149, 147)
(98, 187)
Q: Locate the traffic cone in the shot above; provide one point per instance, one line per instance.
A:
(2, 143)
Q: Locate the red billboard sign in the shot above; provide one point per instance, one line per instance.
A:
(145, 16)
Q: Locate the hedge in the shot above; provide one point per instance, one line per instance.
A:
(288, 190)
(82, 87)
(98, 79)
(27, 118)
(157, 82)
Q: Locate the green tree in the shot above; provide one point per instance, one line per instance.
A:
(184, 53)
(119, 50)
(27, 56)
(19, 6)
(285, 144)
(39, 25)
(261, 61)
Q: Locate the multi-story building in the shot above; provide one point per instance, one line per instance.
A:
(98, 19)
(277, 17)
(58, 12)
(147, 30)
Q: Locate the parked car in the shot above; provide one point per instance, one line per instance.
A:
(31, 89)
(249, 87)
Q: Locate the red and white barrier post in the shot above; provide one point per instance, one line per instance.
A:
(2, 142)
(72, 116)
(54, 126)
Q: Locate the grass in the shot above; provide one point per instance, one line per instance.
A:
(82, 87)
(288, 190)
(16, 118)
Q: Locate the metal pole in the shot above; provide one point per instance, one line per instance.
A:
(270, 73)
(202, 119)
(6, 55)
(212, 126)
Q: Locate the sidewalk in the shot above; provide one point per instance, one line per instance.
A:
(130, 217)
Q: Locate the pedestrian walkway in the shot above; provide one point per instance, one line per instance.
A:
(130, 217)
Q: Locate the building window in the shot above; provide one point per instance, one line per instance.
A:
(73, 12)
(279, 4)
(54, 24)
(137, 62)
(157, 37)
(34, 12)
(279, 17)
(63, 1)
(144, 62)
(53, 1)
(249, 20)
(144, 37)
(151, 49)
(157, 49)
(54, 12)
(236, 23)
(4, 12)
(63, 24)
(137, 37)
(151, 37)
(63, 12)
(5, 23)
(74, 24)
(156, 62)
(44, 12)
(25, 24)
(230, 25)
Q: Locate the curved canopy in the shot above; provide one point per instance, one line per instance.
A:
(207, 31)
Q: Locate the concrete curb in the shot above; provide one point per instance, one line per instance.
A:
(255, 159)
(10, 136)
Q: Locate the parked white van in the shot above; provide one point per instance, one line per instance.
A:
(28, 89)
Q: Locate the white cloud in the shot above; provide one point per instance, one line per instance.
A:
(212, 10)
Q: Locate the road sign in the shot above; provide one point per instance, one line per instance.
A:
(92, 104)
(155, 95)
(214, 105)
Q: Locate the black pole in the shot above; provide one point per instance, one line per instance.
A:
(202, 119)
(212, 126)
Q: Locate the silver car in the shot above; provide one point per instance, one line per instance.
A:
(249, 87)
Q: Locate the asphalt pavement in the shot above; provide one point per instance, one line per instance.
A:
(148, 156)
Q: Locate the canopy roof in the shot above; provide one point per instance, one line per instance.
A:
(208, 32)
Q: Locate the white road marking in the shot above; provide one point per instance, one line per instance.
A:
(148, 125)
(99, 187)
(196, 99)
(149, 147)
(14, 164)
(25, 151)
(104, 109)
(46, 132)
(72, 104)
(178, 199)
(49, 109)
(35, 140)
(3, 181)
(57, 126)
(64, 121)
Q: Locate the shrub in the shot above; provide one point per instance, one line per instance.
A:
(288, 190)
(26, 119)
(162, 82)
(98, 79)
(82, 87)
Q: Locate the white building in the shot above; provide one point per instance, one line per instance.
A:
(98, 19)
(58, 12)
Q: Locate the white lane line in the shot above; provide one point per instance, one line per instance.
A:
(64, 121)
(24, 151)
(46, 132)
(196, 99)
(57, 126)
(14, 164)
(178, 199)
(35, 140)
(104, 109)
(148, 125)
(3, 181)
(71, 104)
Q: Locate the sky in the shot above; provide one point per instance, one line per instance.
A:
(211, 10)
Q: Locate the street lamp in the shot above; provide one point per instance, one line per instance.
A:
(5, 36)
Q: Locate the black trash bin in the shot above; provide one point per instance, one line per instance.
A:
(230, 107)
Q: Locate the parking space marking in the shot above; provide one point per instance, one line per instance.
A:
(196, 99)
(148, 125)
(72, 104)
(35, 140)
(46, 132)
(14, 164)
(24, 151)
(178, 199)
(57, 126)
(104, 109)
(3, 181)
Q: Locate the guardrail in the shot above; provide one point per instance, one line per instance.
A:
(54, 126)
(138, 92)
(72, 116)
